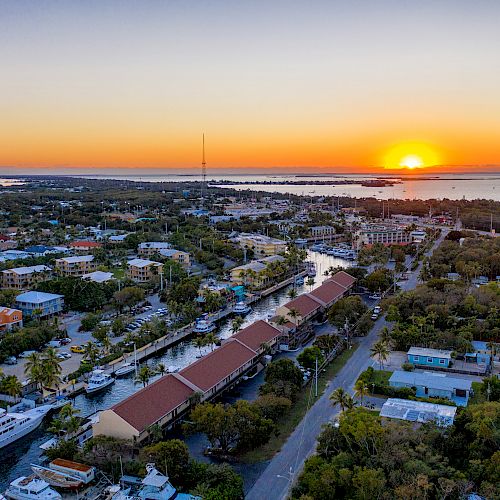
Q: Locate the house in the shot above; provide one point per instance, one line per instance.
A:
(84, 247)
(262, 245)
(22, 278)
(40, 250)
(430, 384)
(254, 273)
(7, 243)
(418, 411)
(98, 277)
(77, 265)
(40, 304)
(482, 353)
(150, 248)
(182, 258)
(10, 318)
(422, 356)
(143, 270)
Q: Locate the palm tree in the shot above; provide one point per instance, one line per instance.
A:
(91, 352)
(199, 342)
(161, 369)
(106, 344)
(33, 368)
(292, 293)
(211, 340)
(361, 390)
(281, 321)
(12, 386)
(145, 373)
(385, 335)
(236, 324)
(294, 313)
(310, 283)
(349, 402)
(380, 351)
(68, 411)
(339, 397)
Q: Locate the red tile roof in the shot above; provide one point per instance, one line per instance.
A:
(150, 404)
(213, 368)
(85, 244)
(256, 334)
(328, 292)
(343, 278)
(304, 304)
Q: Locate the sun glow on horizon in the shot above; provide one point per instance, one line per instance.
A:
(411, 156)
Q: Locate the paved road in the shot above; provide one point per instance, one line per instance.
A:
(278, 477)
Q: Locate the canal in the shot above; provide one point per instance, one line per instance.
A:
(16, 458)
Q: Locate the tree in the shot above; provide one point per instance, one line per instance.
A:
(339, 397)
(348, 309)
(236, 324)
(33, 368)
(128, 297)
(51, 368)
(308, 357)
(310, 283)
(12, 386)
(118, 327)
(272, 407)
(361, 389)
(90, 321)
(144, 375)
(200, 342)
(211, 340)
(171, 455)
(161, 369)
(292, 293)
(91, 352)
(381, 352)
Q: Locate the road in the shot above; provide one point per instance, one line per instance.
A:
(278, 477)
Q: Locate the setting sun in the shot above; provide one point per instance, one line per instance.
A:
(410, 155)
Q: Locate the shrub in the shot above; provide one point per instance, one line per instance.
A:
(408, 367)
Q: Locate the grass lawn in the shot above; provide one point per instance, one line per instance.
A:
(292, 419)
(381, 377)
(118, 273)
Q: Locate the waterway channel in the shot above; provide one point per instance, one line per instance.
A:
(16, 458)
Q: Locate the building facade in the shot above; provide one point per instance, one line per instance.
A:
(422, 356)
(75, 266)
(143, 270)
(262, 245)
(40, 304)
(10, 318)
(23, 278)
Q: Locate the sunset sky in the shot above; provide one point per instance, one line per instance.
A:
(344, 85)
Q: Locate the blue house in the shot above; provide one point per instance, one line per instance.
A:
(40, 303)
(481, 354)
(422, 356)
(438, 385)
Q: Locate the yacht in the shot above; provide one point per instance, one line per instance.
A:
(14, 426)
(125, 369)
(203, 326)
(241, 308)
(31, 488)
(98, 381)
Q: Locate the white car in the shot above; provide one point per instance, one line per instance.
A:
(377, 310)
(375, 296)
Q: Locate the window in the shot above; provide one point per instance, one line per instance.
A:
(416, 358)
(429, 360)
(441, 361)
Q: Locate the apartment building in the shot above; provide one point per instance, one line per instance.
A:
(40, 304)
(387, 235)
(77, 265)
(322, 231)
(23, 278)
(182, 258)
(262, 245)
(150, 248)
(143, 270)
(253, 273)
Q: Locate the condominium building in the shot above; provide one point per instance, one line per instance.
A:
(10, 318)
(182, 258)
(23, 278)
(143, 270)
(322, 231)
(77, 265)
(150, 248)
(262, 245)
(387, 235)
(40, 304)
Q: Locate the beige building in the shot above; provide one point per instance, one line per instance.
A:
(23, 278)
(143, 270)
(262, 245)
(384, 234)
(77, 265)
(150, 248)
(182, 258)
(253, 273)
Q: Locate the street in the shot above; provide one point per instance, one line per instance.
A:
(278, 477)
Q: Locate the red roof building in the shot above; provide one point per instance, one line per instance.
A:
(256, 334)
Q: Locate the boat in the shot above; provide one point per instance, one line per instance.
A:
(98, 381)
(204, 326)
(317, 248)
(311, 270)
(299, 280)
(301, 241)
(125, 369)
(14, 426)
(31, 488)
(56, 478)
(84, 473)
(241, 308)
(155, 486)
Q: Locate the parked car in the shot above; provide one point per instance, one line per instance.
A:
(377, 309)
(375, 296)
(65, 341)
(25, 354)
(77, 348)
(11, 360)
(374, 316)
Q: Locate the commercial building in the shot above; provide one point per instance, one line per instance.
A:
(143, 270)
(23, 278)
(167, 399)
(431, 384)
(40, 304)
(422, 356)
(261, 245)
(10, 318)
(77, 265)
(418, 411)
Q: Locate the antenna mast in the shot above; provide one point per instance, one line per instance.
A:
(203, 169)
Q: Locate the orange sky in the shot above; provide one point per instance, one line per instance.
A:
(328, 86)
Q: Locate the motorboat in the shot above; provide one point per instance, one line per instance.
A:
(98, 381)
(299, 280)
(203, 326)
(241, 308)
(301, 241)
(31, 488)
(14, 426)
(317, 248)
(311, 270)
(56, 478)
(125, 369)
